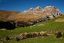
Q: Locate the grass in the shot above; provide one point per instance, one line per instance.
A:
(50, 25)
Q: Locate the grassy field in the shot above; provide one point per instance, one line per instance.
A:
(50, 25)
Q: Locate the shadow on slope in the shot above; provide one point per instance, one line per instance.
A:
(7, 25)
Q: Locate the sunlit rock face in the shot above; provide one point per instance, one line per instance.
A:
(48, 10)
(37, 10)
(51, 10)
(29, 11)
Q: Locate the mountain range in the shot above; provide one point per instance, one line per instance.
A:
(31, 14)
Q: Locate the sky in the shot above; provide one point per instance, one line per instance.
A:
(21, 5)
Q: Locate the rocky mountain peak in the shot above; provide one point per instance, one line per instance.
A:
(37, 8)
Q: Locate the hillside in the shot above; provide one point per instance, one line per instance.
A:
(53, 22)
(50, 26)
(4, 15)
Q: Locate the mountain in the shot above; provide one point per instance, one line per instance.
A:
(48, 10)
(38, 8)
(30, 14)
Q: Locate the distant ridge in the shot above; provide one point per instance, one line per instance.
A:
(40, 10)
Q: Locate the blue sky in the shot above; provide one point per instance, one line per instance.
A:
(20, 5)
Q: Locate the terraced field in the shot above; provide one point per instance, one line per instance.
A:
(50, 26)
